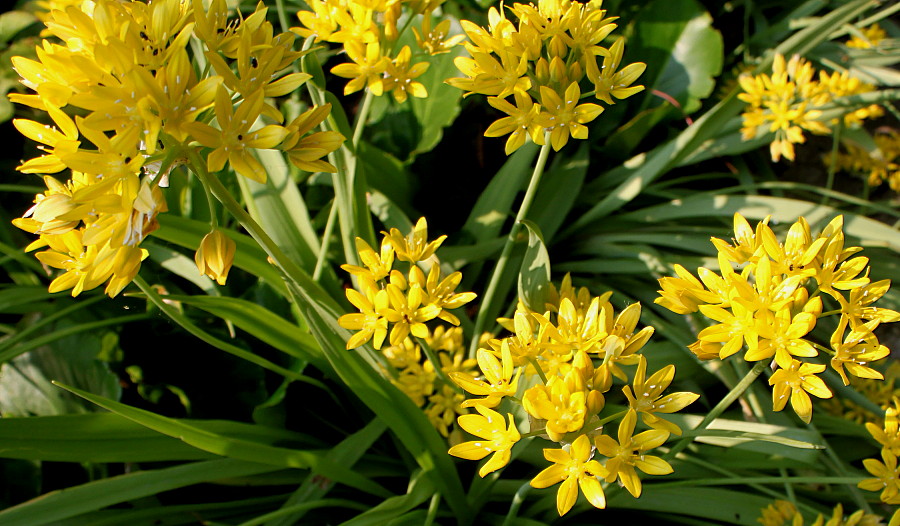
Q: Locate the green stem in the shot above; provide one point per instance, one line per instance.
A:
(433, 507)
(832, 165)
(540, 371)
(517, 501)
(326, 237)
(723, 404)
(360, 124)
(489, 295)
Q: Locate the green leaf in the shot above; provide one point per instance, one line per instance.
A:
(534, 275)
(12, 22)
(180, 265)
(347, 453)
(25, 387)
(731, 507)
(682, 51)
(420, 489)
(493, 206)
(62, 504)
(234, 447)
(261, 323)
(440, 108)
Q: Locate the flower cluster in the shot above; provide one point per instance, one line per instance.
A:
(541, 63)
(868, 38)
(879, 166)
(783, 513)
(397, 307)
(886, 474)
(560, 367)
(790, 100)
(369, 34)
(124, 69)
(760, 300)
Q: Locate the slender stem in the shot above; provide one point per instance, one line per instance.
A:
(840, 467)
(361, 118)
(516, 503)
(500, 268)
(433, 507)
(326, 237)
(723, 404)
(537, 367)
(832, 165)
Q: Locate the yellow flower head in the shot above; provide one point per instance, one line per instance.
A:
(575, 469)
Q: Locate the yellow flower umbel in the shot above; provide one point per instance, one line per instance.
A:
(369, 33)
(878, 166)
(561, 366)
(788, 101)
(215, 255)
(542, 63)
(767, 298)
(141, 105)
(404, 310)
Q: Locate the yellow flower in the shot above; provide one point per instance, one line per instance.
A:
(235, 140)
(367, 69)
(306, 151)
(215, 255)
(871, 37)
(647, 399)
(630, 453)
(523, 121)
(564, 117)
(576, 471)
(608, 82)
(400, 77)
(415, 246)
(887, 477)
(498, 379)
(496, 438)
(561, 402)
(377, 266)
(859, 348)
(370, 321)
(795, 381)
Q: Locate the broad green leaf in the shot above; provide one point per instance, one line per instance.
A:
(440, 108)
(62, 504)
(248, 256)
(278, 206)
(25, 387)
(534, 275)
(90, 437)
(234, 447)
(387, 175)
(390, 215)
(682, 50)
(783, 210)
(493, 207)
(81, 438)
(261, 323)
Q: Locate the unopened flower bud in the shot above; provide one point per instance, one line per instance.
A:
(215, 255)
